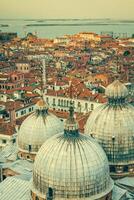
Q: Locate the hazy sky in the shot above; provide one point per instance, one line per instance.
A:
(123, 9)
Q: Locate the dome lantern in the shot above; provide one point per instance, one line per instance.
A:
(71, 126)
(116, 92)
(41, 107)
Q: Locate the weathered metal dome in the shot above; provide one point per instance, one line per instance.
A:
(71, 166)
(37, 128)
(116, 90)
(112, 124)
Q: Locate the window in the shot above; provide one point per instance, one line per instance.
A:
(47, 100)
(4, 141)
(14, 140)
(29, 148)
(53, 102)
(92, 106)
(79, 105)
(30, 109)
(125, 168)
(50, 192)
(58, 102)
(86, 106)
(4, 177)
(112, 168)
(65, 103)
(61, 102)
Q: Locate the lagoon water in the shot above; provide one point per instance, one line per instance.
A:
(56, 28)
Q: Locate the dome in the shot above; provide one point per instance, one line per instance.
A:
(116, 90)
(37, 128)
(71, 166)
(112, 124)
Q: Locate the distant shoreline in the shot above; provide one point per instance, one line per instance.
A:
(4, 25)
(80, 24)
(72, 19)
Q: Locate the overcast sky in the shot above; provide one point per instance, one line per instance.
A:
(119, 9)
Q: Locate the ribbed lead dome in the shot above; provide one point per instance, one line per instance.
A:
(112, 124)
(71, 166)
(37, 128)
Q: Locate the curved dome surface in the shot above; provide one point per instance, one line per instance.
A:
(112, 124)
(73, 165)
(116, 90)
(37, 128)
(74, 168)
(114, 130)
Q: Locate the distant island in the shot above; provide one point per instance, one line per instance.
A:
(4, 25)
(78, 24)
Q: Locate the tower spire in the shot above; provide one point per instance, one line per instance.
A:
(42, 107)
(42, 76)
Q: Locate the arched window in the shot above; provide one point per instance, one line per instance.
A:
(50, 192)
(36, 198)
(54, 102)
(112, 169)
(125, 168)
(29, 148)
(62, 102)
(58, 102)
(65, 103)
(86, 106)
(92, 106)
(47, 100)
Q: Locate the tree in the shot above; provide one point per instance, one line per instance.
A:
(126, 53)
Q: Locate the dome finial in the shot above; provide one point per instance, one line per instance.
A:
(71, 127)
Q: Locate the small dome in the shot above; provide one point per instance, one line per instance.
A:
(41, 105)
(116, 90)
(37, 128)
(72, 165)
